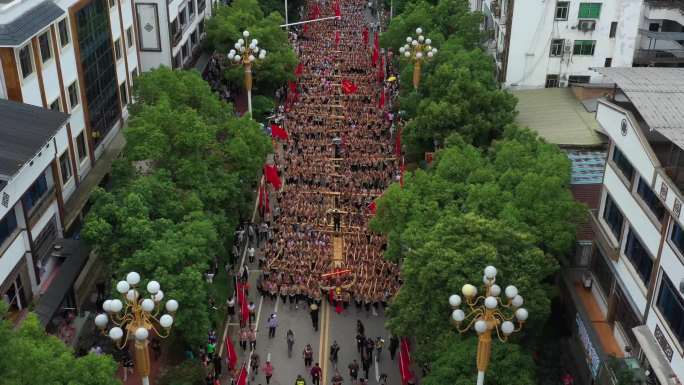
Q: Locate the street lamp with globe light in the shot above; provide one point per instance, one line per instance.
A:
(486, 313)
(418, 50)
(246, 54)
(137, 319)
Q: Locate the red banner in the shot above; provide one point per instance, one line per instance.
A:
(375, 57)
(272, 177)
(231, 356)
(372, 207)
(397, 143)
(348, 87)
(381, 102)
(338, 11)
(365, 36)
(242, 377)
(405, 361)
(278, 132)
(299, 70)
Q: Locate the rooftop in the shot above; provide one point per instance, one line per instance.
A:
(657, 93)
(14, 33)
(558, 117)
(24, 130)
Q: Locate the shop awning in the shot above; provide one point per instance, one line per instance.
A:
(659, 363)
(75, 254)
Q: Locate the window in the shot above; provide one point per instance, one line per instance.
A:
(201, 4)
(562, 10)
(73, 94)
(45, 48)
(556, 47)
(124, 94)
(200, 26)
(65, 166)
(56, 105)
(579, 79)
(651, 199)
(677, 237)
(63, 32)
(613, 29)
(602, 272)
(81, 146)
(671, 306)
(7, 225)
(191, 8)
(129, 36)
(654, 27)
(186, 50)
(609, 62)
(182, 18)
(35, 193)
(639, 257)
(613, 217)
(589, 10)
(552, 81)
(117, 49)
(623, 164)
(194, 37)
(26, 60)
(584, 47)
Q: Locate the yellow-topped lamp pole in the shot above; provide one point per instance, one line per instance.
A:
(137, 318)
(488, 313)
(246, 55)
(418, 50)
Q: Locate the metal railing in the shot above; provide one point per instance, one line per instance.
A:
(659, 56)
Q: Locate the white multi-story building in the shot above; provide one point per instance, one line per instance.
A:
(551, 43)
(637, 267)
(77, 58)
(171, 31)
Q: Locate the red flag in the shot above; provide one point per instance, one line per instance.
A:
(376, 41)
(299, 70)
(292, 85)
(372, 207)
(381, 102)
(242, 377)
(401, 176)
(338, 308)
(375, 57)
(348, 87)
(405, 361)
(397, 143)
(331, 295)
(278, 132)
(337, 38)
(272, 176)
(381, 70)
(231, 356)
(365, 36)
(338, 11)
(306, 27)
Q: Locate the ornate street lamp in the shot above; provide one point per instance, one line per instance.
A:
(137, 318)
(486, 313)
(418, 50)
(246, 55)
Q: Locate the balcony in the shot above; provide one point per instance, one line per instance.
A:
(602, 238)
(659, 57)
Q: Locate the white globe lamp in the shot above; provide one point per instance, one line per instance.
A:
(507, 327)
(141, 334)
(166, 321)
(490, 272)
(490, 303)
(115, 306)
(458, 315)
(480, 326)
(511, 291)
(101, 320)
(521, 314)
(171, 305)
(122, 287)
(115, 333)
(133, 278)
(455, 300)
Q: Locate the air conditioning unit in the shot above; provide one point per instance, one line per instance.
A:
(586, 25)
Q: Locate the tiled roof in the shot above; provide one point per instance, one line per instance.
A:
(21, 29)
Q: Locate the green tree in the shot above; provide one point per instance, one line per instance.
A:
(225, 28)
(30, 356)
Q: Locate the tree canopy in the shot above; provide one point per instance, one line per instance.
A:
(225, 28)
(182, 186)
(507, 205)
(30, 356)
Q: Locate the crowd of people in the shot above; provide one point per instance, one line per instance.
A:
(338, 158)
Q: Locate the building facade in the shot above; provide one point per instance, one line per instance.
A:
(637, 265)
(71, 58)
(171, 31)
(553, 43)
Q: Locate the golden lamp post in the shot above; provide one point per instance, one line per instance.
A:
(418, 50)
(137, 318)
(488, 313)
(246, 56)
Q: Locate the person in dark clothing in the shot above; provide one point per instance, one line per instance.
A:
(393, 345)
(217, 365)
(314, 315)
(354, 370)
(360, 329)
(360, 342)
(366, 366)
(334, 351)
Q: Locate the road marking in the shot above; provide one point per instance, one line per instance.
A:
(268, 357)
(275, 310)
(261, 302)
(377, 369)
(324, 345)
